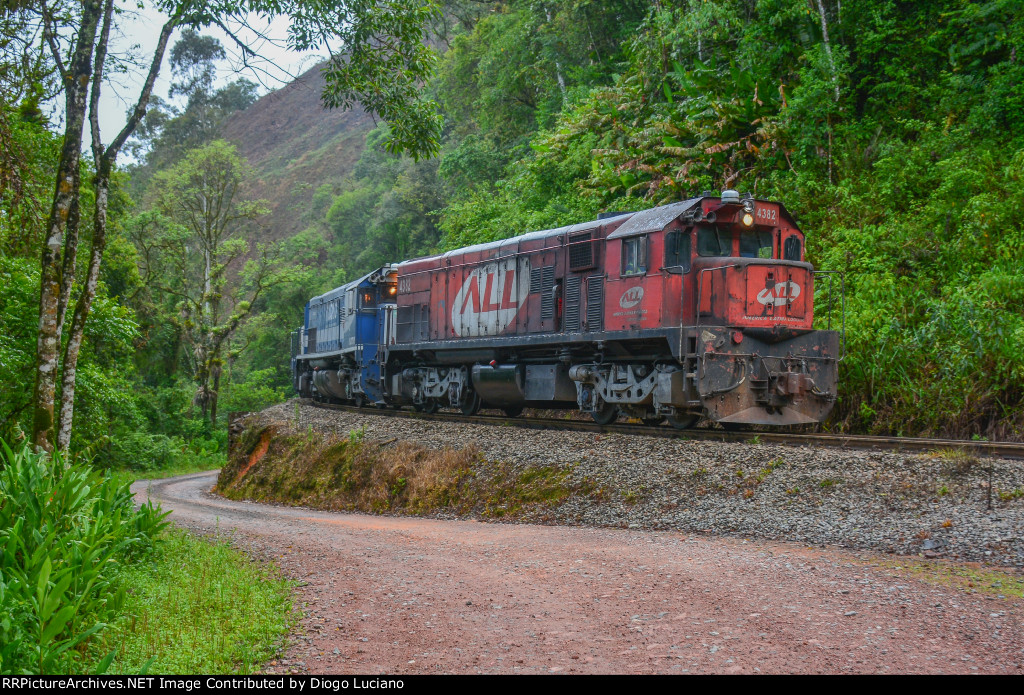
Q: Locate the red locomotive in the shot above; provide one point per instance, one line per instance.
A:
(702, 308)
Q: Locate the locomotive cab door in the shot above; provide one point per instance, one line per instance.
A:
(544, 303)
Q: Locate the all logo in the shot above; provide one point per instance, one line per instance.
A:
(631, 297)
(489, 299)
(782, 294)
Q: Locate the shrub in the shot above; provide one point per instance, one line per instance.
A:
(63, 530)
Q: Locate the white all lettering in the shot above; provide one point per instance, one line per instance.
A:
(490, 297)
(783, 293)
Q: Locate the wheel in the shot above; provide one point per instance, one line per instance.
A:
(608, 413)
(427, 407)
(513, 411)
(359, 400)
(471, 404)
(684, 421)
(733, 426)
(652, 421)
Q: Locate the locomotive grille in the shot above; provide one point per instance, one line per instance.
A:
(595, 303)
(547, 299)
(572, 304)
(581, 251)
(542, 279)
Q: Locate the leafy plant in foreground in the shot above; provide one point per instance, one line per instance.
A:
(63, 530)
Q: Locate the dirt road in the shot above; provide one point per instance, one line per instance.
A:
(406, 595)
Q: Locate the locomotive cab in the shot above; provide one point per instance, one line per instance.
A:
(757, 358)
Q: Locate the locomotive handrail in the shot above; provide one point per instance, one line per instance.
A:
(842, 291)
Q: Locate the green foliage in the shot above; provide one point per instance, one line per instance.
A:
(64, 529)
(105, 388)
(199, 606)
(383, 76)
(142, 452)
(256, 392)
(28, 152)
(193, 246)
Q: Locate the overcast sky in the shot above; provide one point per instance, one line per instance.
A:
(140, 31)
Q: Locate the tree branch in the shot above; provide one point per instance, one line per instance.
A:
(147, 89)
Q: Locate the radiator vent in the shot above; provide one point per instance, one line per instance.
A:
(542, 280)
(595, 303)
(572, 304)
(581, 251)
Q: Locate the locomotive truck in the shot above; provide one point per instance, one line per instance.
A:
(698, 309)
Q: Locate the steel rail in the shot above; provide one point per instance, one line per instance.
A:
(1009, 450)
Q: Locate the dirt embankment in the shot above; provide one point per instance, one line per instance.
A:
(272, 462)
(936, 505)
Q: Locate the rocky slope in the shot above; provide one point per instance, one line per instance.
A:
(934, 505)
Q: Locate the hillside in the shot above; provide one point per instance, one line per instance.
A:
(296, 145)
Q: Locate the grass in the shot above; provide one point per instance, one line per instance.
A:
(966, 577)
(955, 462)
(200, 606)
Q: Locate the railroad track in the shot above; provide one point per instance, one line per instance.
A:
(1011, 450)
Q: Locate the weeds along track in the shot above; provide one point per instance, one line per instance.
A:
(1005, 450)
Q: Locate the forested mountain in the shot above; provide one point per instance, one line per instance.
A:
(296, 146)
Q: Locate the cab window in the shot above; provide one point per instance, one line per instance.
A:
(791, 249)
(713, 242)
(756, 245)
(634, 256)
(677, 250)
(367, 299)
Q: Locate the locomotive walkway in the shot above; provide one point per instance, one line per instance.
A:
(408, 595)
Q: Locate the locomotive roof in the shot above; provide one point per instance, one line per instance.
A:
(631, 223)
(372, 277)
(653, 219)
(510, 245)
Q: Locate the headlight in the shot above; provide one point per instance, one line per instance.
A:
(747, 219)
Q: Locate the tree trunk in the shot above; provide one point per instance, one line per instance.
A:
(67, 280)
(828, 48)
(76, 80)
(84, 306)
(214, 395)
(104, 161)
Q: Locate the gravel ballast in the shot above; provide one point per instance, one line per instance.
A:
(931, 504)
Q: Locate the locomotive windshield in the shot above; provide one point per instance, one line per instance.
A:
(677, 250)
(791, 250)
(756, 245)
(711, 241)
